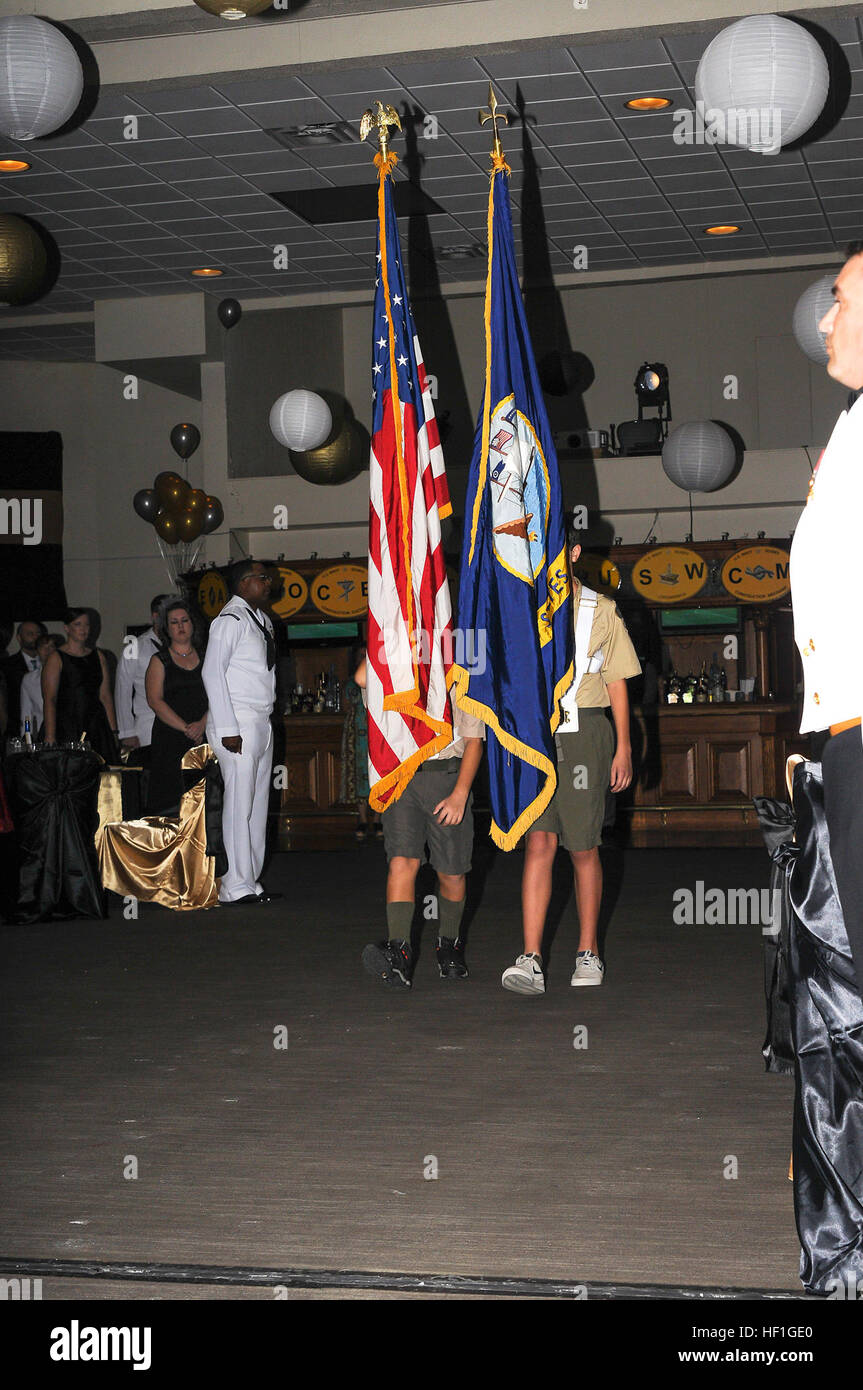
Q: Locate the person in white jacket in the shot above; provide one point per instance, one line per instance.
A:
(824, 585)
(240, 679)
(134, 716)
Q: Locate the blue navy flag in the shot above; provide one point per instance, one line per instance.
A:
(515, 595)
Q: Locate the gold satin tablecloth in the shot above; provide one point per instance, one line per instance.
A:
(162, 860)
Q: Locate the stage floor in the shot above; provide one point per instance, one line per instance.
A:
(149, 1047)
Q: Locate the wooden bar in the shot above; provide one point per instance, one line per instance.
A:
(697, 768)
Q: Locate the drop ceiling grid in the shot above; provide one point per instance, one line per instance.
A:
(134, 216)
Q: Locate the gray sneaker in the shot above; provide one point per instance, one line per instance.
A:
(589, 969)
(525, 977)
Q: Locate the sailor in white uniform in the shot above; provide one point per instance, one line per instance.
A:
(134, 716)
(240, 679)
(825, 583)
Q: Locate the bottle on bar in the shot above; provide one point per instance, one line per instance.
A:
(28, 737)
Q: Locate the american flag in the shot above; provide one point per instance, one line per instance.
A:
(410, 615)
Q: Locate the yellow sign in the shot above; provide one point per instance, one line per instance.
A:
(757, 574)
(669, 574)
(212, 594)
(597, 573)
(342, 591)
(295, 593)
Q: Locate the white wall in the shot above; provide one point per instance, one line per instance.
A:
(111, 448)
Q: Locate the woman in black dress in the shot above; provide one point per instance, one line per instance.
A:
(76, 692)
(175, 692)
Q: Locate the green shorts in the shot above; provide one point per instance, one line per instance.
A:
(410, 823)
(577, 810)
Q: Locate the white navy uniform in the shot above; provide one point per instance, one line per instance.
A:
(241, 692)
(825, 580)
(134, 716)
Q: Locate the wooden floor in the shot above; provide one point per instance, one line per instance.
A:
(153, 1041)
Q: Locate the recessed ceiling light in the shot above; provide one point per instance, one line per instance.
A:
(206, 270)
(13, 166)
(648, 103)
(234, 9)
(722, 229)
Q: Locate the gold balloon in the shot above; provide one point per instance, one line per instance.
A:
(196, 500)
(337, 461)
(167, 527)
(172, 492)
(23, 260)
(189, 525)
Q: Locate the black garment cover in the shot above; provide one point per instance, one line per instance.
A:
(214, 796)
(776, 819)
(827, 1033)
(54, 798)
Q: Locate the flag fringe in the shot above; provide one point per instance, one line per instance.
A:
(397, 780)
(508, 839)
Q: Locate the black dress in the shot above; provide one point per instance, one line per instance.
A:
(79, 709)
(184, 693)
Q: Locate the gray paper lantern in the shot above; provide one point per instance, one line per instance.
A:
(41, 79)
(301, 420)
(808, 313)
(767, 66)
(699, 457)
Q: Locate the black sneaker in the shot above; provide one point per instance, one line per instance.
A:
(390, 961)
(450, 958)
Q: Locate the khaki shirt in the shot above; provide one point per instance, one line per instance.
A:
(464, 726)
(612, 653)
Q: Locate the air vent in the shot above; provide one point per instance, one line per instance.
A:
(473, 252)
(303, 137)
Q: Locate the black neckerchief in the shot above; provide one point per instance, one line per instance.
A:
(271, 646)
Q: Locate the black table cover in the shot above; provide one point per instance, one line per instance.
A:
(54, 797)
(827, 1033)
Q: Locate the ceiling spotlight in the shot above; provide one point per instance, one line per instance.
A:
(206, 271)
(13, 166)
(234, 9)
(722, 229)
(648, 103)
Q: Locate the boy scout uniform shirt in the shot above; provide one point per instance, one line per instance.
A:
(612, 658)
(464, 726)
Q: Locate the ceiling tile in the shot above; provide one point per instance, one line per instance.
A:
(181, 98)
(636, 53)
(660, 79)
(223, 120)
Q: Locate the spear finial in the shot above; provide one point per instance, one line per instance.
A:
(493, 115)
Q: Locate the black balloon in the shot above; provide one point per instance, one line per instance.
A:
(185, 440)
(146, 504)
(213, 516)
(230, 312)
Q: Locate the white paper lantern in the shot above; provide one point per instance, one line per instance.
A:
(808, 313)
(769, 79)
(301, 420)
(699, 457)
(41, 79)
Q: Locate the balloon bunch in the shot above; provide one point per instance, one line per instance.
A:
(180, 514)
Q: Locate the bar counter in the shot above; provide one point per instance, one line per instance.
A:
(697, 768)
